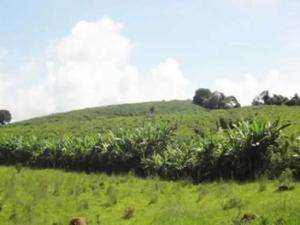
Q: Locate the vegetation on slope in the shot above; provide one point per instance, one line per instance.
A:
(179, 140)
(187, 116)
(250, 148)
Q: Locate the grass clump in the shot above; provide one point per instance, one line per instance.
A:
(286, 181)
(262, 183)
(128, 213)
(232, 203)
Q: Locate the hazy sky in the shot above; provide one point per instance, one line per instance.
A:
(61, 55)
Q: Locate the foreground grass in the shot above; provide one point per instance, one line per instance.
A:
(53, 197)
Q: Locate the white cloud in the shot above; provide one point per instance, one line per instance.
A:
(89, 67)
(249, 86)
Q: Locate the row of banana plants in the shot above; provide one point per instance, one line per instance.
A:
(248, 149)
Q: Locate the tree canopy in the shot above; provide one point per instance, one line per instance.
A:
(5, 116)
(265, 98)
(214, 100)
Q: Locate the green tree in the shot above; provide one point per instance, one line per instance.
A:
(231, 102)
(201, 95)
(278, 100)
(214, 100)
(5, 116)
(294, 101)
(262, 99)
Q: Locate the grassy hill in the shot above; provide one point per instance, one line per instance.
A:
(186, 115)
(53, 197)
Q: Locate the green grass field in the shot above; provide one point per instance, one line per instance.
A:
(49, 197)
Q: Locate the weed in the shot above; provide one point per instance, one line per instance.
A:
(262, 183)
(153, 198)
(280, 221)
(285, 181)
(232, 203)
(202, 192)
(128, 213)
(263, 220)
(112, 195)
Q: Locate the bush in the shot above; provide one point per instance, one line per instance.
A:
(250, 146)
(243, 151)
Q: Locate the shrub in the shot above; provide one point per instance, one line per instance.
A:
(250, 147)
(245, 150)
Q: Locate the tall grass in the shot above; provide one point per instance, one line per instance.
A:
(48, 197)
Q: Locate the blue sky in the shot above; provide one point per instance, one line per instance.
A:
(215, 42)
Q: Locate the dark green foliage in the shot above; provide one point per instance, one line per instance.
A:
(264, 98)
(251, 145)
(278, 100)
(194, 148)
(5, 116)
(241, 152)
(151, 110)
(294, 101)
(214, 100)
(201, 96)
(231, 102)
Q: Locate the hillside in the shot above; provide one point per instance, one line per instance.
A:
(186, 115)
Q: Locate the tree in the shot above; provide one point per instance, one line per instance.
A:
(152, 110)
(201, 95)
(262, 99)
(294, 101)
(214, 100)
(278, 100)
(265, 99)
(231, 102)
(5, 116)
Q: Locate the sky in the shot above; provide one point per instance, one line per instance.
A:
(61, 55)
